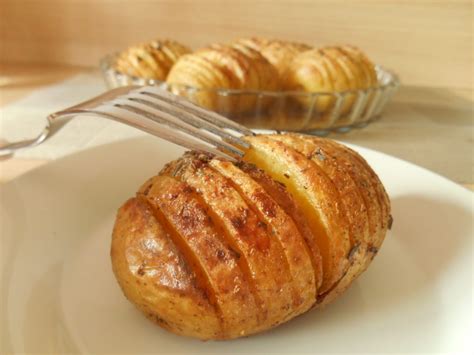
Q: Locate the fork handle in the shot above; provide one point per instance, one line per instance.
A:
(54, 123)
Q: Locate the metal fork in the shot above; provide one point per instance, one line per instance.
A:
(157, 112)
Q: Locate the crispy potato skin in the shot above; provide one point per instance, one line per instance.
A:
(285, 200)
(264, 259)
(212, 258)
(155, 277)
(282, 227)
(218, 250)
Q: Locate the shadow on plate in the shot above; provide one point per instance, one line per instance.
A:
(426, 237)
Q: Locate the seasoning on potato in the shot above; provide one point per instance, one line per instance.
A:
(215, 249)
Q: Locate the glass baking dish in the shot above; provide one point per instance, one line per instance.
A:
(316, 113)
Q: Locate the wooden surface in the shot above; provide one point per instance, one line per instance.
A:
(18, 80)
(427, 126)
(428, 42)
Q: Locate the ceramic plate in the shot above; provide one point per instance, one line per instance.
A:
(58, 293)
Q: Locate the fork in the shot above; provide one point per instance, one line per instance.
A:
(157, 112)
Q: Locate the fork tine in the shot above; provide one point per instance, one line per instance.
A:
(167, 120)
(172, 118)
(187, 105)
(192, 119)
(157, 130)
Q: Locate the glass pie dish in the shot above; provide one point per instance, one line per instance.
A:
(316, 113)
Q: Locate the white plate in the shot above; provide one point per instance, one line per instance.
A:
(58, 293)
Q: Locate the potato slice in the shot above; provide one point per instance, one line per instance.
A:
(349, 70)
(267, 74)
(338, 77)
(353, 203)
(256, 43)
(281, 53)
(151, 60)
(353, 69)
(191, 70)
(362, 175)
(237, 65)
(203, 247)
(241, 71)
(261, 255)
(382, 197)
(161, 62)
(282, 227)
(309, 73)
(154, 275)
(138, 61)
(363, 61)
(355, 208)
(283, 198)
(317, 197)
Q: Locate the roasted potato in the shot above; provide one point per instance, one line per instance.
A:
(219, 249)
(336, 69)
(231, 67)
(196, 71)
(151, 60)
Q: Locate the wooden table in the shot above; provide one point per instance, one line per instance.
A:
(427, 126)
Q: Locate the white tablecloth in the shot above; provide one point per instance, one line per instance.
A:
(26, 117)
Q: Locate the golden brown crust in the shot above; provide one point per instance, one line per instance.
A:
(350, 198)
(217, 250)
(282, 228)
(354, 206)
(371, 189)
(216, 261)
(382, 197)
(285, 200)
(155, 277)
(315, 193)
(249, 236)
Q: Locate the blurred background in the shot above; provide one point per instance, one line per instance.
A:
(428, 42)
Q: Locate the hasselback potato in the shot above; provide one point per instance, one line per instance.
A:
(329, 70)
(216, 249)
(151, 60)
(231, 67)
